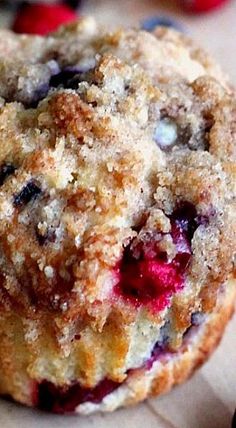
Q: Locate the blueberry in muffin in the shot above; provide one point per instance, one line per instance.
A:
(117, 214)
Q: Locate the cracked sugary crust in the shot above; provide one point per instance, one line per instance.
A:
(100, 180)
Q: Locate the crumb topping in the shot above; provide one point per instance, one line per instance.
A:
(103, 138)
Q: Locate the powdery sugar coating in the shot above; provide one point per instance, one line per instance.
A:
(117, 212)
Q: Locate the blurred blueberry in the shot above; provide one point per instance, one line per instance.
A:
(152, 22)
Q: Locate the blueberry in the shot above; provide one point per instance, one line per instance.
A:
(42, 91)
(39, 94)
(64, 77)
(53, 67)
(164, 336)
(30, 192)
(160, 347)
(69, 77)
(197, 318)
(184, 217)
(6, 170)
(151, 23)
(49, 236)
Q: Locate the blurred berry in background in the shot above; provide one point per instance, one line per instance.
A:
(156, 21)
(201, 5)
(41, 18)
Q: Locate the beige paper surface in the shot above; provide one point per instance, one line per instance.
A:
(209, 398)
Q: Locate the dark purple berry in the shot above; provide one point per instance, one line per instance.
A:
(62, 400)
(70, 77)
(38, 95)
(185, 217)
(160, 347)
(49, 236)
(42, 91)
(6, 170)
(63, 77)
(197, 319)
(30, 192)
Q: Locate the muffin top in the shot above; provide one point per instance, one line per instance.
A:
(117, 175)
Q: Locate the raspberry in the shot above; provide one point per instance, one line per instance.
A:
(42, 18)
(202, 5)
(149, 279)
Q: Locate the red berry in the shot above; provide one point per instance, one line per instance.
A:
(149, 281)
(145, 276)
(42, 18)
(201, 5)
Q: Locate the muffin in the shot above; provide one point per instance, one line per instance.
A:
(117, 215)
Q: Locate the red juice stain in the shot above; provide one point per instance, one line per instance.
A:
(65, 399)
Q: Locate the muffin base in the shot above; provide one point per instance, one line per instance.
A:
(172, 369)
(169, 370)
